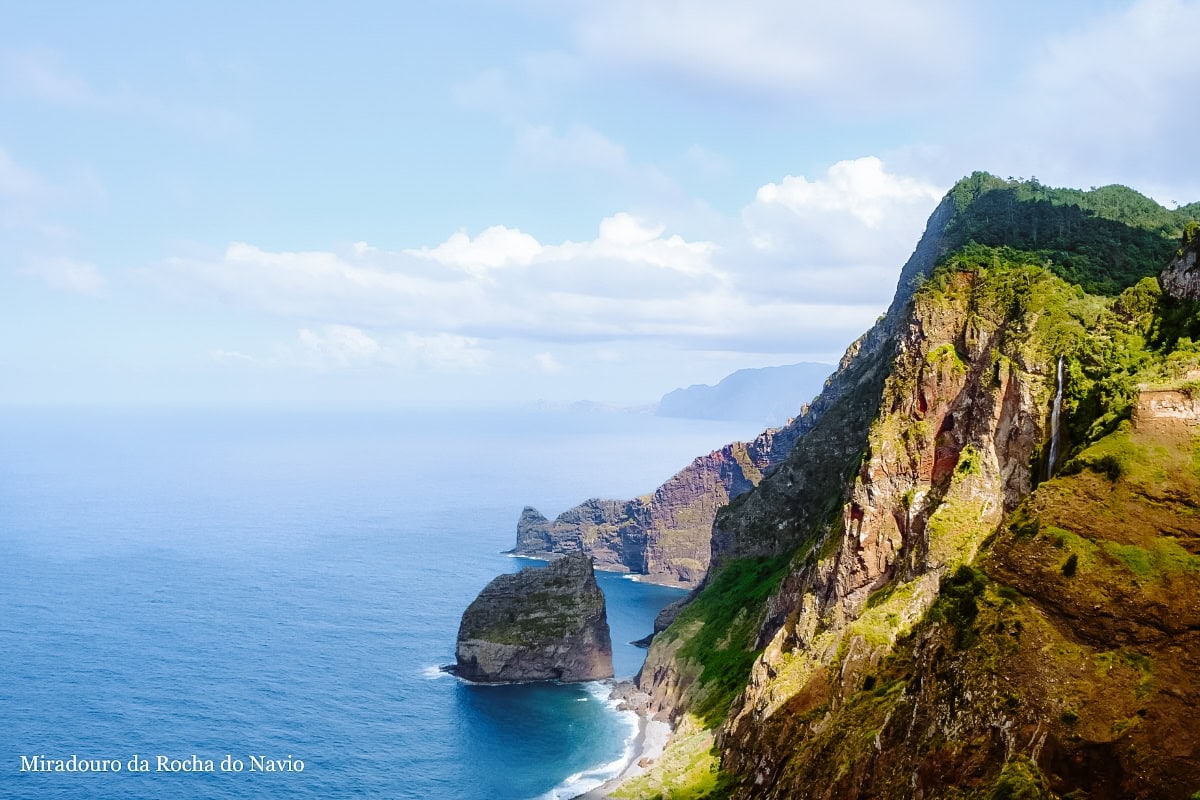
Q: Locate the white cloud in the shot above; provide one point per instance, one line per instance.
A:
(70, 275)
(496, 246)
(867, 52)
(861, 188)
(839, 236)
(810, 264)
(623, 238)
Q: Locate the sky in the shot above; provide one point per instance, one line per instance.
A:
(473, 203)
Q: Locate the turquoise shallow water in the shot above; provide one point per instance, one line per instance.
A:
(270, 586)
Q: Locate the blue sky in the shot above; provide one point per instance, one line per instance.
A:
(456, 203)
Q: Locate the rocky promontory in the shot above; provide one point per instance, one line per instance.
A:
(665, 535)
(540, 624)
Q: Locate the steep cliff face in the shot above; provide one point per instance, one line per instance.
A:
(546, 623)
(931, 440)
(953, 449)
(844, 646)
(668, 536)
(665, 535)
(1062, 666)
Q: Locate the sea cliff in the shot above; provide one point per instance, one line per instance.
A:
(542, 623)
(918, 600)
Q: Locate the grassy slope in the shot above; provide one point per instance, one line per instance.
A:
(1029, 677)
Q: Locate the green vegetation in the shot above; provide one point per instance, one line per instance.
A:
(688, 770)
(1103, 240)
(968, 461)
(729, 610)
(1020, 780)
(957, 603)
(1165, 557)
(945, 356)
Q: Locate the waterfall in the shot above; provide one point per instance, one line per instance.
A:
(1055, 413)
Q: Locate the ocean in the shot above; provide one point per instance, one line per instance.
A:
(245, 604)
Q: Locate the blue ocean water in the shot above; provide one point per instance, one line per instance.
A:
(280, 587)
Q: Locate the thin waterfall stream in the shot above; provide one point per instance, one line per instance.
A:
(1055, 414)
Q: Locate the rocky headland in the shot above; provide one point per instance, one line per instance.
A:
(920, 599)
(665, 535)
(540, 624)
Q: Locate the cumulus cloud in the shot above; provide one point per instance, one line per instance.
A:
(811, 261)
(838, 236)
(861, 188)
(496, 246)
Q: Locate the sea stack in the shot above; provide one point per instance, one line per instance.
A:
(540, 624)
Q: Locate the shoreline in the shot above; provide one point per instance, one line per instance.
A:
(648, 743)
(648, 746)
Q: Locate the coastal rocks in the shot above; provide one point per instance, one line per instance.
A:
(540, 624)
(666, 535)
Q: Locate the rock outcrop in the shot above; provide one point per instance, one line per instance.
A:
(540, 624)
(1181, 278)
(1166, 409)
(913, 603)
(664, 536)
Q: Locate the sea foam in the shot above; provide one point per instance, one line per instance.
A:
(581, 783)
